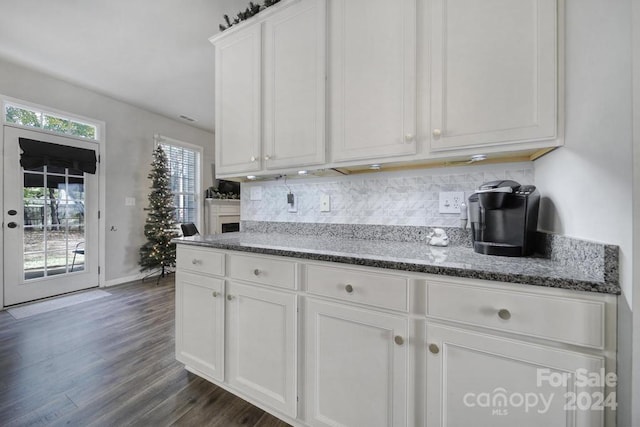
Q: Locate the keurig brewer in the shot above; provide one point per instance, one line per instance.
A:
(504, 218)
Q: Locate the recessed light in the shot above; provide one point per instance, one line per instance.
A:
(187, 118)
(375, 166)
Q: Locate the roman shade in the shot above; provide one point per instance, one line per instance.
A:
(36, 154)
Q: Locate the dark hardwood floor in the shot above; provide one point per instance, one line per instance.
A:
(109, 362)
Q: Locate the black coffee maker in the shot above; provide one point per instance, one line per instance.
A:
(504, 218)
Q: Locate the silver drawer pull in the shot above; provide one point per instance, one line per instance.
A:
(504, 314)
(433, 348)
(256, 272)
(348, 288)
(215, 294)
(230, 297)
(196, 261)
(398, 340)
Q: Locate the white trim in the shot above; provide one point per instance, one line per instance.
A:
(199, 198)
(54, 112)
(121, 280)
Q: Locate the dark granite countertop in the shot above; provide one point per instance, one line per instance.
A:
(457, 261)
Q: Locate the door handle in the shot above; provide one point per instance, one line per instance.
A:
(12, 225)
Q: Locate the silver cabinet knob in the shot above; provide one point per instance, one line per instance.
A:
(230, 297)
(433, 348)
(254, 158)
(196, 261)
(215, 294)
(504, 314)
(408, 138)
(398, 340)
(256, 272)
(348, 288)
(267, 157)
(437, 133)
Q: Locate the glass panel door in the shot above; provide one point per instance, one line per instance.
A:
(51, 223)
(54, 221)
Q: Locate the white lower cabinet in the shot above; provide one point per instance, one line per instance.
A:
(475, 379)
(200, 323)
(261, 345)
(356, 361)
(377, 347)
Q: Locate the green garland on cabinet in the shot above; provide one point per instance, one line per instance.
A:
(253, 9)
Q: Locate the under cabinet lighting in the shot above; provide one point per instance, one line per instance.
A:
(302, 172)
(478, 157)
(251, 177)
(375, 166)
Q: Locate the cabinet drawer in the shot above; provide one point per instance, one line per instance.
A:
(264, 270)
(568, 320)
(372, 288)
(197, 260)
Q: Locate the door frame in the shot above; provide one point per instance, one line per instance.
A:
(101, 125)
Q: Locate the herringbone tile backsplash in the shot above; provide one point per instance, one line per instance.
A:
(387, 198)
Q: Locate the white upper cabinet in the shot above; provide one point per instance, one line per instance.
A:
(238, 101)
(372, 78)
(294, 86)
(494, 72)
(270, 90)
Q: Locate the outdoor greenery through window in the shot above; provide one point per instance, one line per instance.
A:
(184, 170)
(27, 116)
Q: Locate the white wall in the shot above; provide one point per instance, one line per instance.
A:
(128, 149)
(587, 184)
(635, 44)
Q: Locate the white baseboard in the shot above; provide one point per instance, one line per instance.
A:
(121, 280)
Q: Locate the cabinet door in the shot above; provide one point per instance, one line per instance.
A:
(372, 78)
(200, 323)
(481, 380)
(294, 76)
(494, 71)
(356, 371)
(237, 101)
(261, 343)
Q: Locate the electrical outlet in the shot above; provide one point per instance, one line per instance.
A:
(325, 203)
(450, 201)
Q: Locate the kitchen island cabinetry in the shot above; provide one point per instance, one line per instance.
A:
(322, 343)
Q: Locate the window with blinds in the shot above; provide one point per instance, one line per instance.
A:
(184, 167)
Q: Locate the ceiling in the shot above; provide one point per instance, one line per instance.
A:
(154, 54)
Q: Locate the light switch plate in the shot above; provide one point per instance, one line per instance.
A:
(129, 201)
(450, 201)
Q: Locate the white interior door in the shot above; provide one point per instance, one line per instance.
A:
(50, 223)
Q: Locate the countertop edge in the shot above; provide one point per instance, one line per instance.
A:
(549, 282)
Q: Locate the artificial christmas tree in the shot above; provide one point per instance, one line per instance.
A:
(159, 229)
